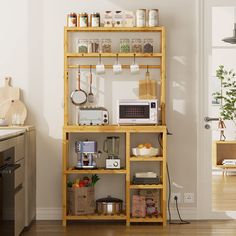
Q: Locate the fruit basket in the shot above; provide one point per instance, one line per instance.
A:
(145, 150)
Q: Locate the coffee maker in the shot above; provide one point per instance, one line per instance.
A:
(111, 147)
(86, 154)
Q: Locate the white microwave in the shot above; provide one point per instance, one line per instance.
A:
(131, 111)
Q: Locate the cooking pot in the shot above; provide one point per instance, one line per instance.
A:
(109, 206)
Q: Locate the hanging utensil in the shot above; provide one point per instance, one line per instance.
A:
(90, 95)
(117, 68)
(134, 68)
(147, 87)
(100, 68)
(78, 96)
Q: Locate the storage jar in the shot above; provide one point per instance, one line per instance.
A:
(93, 45)
(83, 19)
(106, 45)
(125, 45)
(82, 46)
(72, 20)
(95, 19)
(141, 18)
(148, 46)
(118, 19)
(153, 18)
(107, 21)
(136, 45)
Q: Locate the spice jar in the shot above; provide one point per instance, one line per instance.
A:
(148, 46)
(153, 18)
(136, 45)
(72, 20)
(106, 45)
(118, 19)
(95, 19)
(93, 45)
(141, 18)
(107, 21)
(82, 46)
(125, 45)
(83, 20)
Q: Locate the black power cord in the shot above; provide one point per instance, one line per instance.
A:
(169, 195)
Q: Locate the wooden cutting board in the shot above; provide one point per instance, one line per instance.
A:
(147, 88)
(9, 108)
(9, 92)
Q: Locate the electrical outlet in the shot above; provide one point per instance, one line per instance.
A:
(173, 195)
(188, 197)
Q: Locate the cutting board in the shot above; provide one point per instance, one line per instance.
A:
(9, 92)
(147, 88)
(10, 108)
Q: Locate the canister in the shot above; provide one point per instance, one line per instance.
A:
(95, 19)
(72, 20)
(83, 19)
(141, 17)
(153, 18)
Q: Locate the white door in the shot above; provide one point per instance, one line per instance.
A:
(216, 21)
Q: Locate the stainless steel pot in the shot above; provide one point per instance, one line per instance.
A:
(109, 206)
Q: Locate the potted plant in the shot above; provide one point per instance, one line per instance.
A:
(226, 94)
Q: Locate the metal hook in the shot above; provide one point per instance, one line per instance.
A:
(100, 59)
(147, 69)
(134, 57)
(117, 55)
(90, 68)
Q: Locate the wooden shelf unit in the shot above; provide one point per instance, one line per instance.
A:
(126, 130)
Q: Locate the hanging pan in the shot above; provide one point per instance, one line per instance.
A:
(78, 96)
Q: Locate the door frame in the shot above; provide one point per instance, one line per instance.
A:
(204, 160)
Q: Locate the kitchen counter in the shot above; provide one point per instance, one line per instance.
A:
(9, 133)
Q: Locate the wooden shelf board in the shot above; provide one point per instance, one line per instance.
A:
(114, 29)
(226, 166)
(97, 217)
(147, 219)
(114, 55)
(226, 142)
(142, 158)
(115, 129)
(95, 171)
(146, 186)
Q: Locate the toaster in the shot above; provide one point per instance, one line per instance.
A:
(93, 116)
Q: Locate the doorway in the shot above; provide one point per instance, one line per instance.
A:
(216, 184)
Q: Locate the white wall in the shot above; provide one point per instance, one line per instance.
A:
(39, 73)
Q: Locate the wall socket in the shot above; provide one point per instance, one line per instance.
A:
(178, 195)
(188, 197)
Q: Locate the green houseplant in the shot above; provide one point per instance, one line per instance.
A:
(227, 93)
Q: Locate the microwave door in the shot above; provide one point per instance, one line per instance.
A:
(134, 112)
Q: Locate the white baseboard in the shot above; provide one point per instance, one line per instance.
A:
(48, 213)
(189, 213)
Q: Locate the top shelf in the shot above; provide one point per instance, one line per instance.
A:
(114, 29)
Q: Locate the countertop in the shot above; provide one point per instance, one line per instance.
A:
(8, 133)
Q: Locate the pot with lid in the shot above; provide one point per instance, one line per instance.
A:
(109, 205)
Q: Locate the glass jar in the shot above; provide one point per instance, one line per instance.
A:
(72, 20)
(83, 20)
(106, 45)
(148, 46)
(95, 19)
(136, 45)
(93, 45)
(118, 19)
(107, 21)
(82, 46)
(141, 17)
(125, 45)
(153, 18)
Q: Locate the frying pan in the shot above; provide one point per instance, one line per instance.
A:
(78, 96)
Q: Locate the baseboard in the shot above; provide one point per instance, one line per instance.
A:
(189, 213)
(48, 213)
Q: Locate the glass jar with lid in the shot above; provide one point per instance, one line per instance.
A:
(93, 45)
(124, 45)
(83, 19)
(82, 46)
(148, 46)
(106, 45)
(95, 19)
(136, 45)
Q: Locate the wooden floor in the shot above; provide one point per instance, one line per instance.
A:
(203, 228)
(224, 193)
